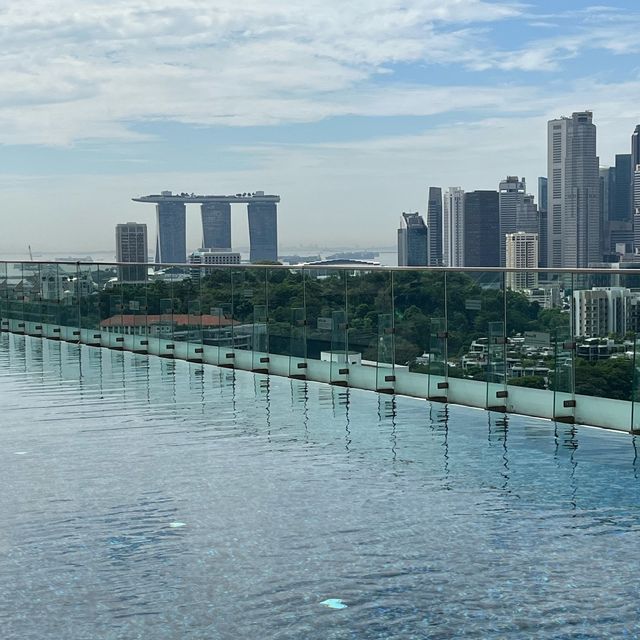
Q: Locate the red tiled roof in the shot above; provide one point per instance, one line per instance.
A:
(178, 319)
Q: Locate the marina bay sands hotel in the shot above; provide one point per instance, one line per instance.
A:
(171, 240)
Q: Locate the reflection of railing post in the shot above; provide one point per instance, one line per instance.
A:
(339, 365)
(496, 367)
(385, 376)
(634, 385)
(437, 369)
(298, 344)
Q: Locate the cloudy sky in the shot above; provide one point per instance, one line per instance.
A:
(348, 110)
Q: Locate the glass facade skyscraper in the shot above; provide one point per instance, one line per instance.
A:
(434, 223)
(413, 241)
(481, 229)
(216, 225)
(263, 231)
(171, 240)
(573, 223)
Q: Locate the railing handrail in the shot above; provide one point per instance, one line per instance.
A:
(335, 267)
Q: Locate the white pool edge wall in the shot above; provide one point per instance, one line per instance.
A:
(540, 403)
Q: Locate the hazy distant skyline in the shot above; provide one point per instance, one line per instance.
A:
(349, 111)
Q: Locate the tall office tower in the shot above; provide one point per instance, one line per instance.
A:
(543, 186)
(171, 228)
(216, 224)
(635, 162)
(518, 211)
(607, 191)
(636, 210)
(263, 231)
(573, 224)
(481, 229)
(521, 253)
(453, 228)
(413, 241)
(434, 223)
(623, 188)
(131, 246)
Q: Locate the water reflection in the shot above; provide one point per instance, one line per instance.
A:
(387, 414)
(115, 452)
(498, 432)
(439, 423)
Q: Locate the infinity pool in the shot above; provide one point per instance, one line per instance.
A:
(146, 498)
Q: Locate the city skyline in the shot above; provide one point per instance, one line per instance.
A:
(133, 98)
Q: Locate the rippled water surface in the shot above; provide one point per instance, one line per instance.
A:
(145, 498)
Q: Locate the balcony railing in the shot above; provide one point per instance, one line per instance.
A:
(450, 335)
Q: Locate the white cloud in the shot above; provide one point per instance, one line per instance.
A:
(75, 69)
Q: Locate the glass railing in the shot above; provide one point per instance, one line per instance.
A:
(562, 345)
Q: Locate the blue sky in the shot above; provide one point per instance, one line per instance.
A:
(349, 111)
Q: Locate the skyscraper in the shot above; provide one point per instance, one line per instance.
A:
(434, 223)
(453, 228)
(216, 225)
(481, 229)
(573, 222)
(543, 209)
(171, 228)
(518, 211)
(263, 231)
(131, 246)
(623, 189)
(636, 212)
(413, 241)
(521, 253)
(635, 162)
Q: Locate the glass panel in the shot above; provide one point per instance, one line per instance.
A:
(496, 367)
(244, 290)
(563, 344)
(217, 333)
(114, 318)
(385, 369)
(249, 330)
(340, 355)
(325, 299)
(260, 339)
(536, 308)
(184, 288)
(436, 359)
(15, 297)
(4, 288)
(134, 312)
(89, 303)
(286, 292)
(605, 320)
(370, 335)
(194, 336)
(298, 344)
(474, 300)
(635, 408)
(33, 307)
(419, 301)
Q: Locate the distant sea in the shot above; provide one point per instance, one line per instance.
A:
(386, 256)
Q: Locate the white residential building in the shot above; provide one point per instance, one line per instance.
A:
(453, 228)
(601, 311)
(521, 253)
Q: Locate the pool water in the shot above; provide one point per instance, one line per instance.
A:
(147, 498)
